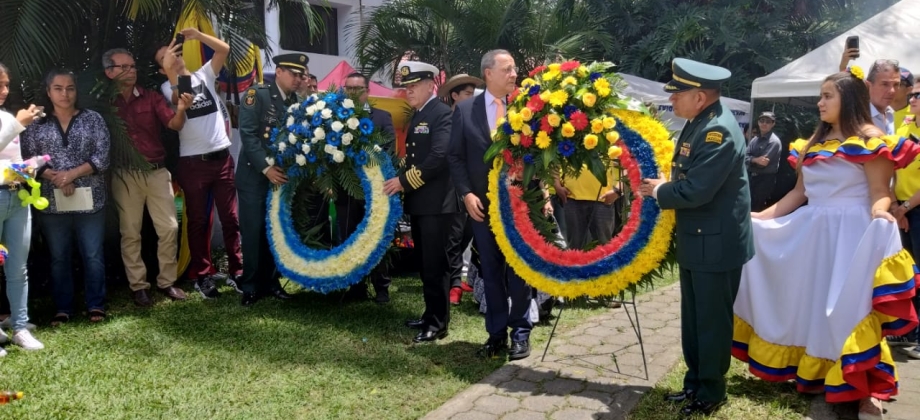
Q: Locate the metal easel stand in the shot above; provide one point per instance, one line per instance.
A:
(633, 321)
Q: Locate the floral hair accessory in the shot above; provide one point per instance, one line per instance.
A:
(857, 72)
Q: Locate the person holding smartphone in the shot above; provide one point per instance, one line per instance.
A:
(206, 168)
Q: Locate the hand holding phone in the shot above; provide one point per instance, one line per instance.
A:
(180, 39)
(185, 85)
(853, 43)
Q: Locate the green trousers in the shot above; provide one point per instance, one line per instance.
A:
(707, 323)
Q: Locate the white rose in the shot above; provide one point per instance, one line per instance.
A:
(320, 104)
(329, 149)
(305, 123)
(337, 126)
(353, 123)
(319, 133)
(347, 138)
(338, 156)
(290, 121)
(281, 147)
(314, 140)
(270, 160)
(301, 160)
(293, 107)
(377, 148)
(292, 138)
(326, 113)
(348, 103)
(311, 110)
(305, 148)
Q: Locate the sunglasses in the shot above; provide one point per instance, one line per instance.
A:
(913, 95)
(765, 120)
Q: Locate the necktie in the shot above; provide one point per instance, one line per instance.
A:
(499, 110)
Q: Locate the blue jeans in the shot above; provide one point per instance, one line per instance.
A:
(16, 236)
(59, 231)
(911, 242)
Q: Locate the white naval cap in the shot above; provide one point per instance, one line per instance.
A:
(416, 71)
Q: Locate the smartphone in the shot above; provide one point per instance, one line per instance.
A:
(185, 85)
(853, 42)
(180, 39)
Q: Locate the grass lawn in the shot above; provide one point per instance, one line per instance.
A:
(311, 357)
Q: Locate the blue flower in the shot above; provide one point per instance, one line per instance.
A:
(310, 101)
(334, 139)
(330, 98)
(343, 113)
(317, 120)
(311, 157)
(361, 158)
(535, 125)
(594, 76)
(528, 159)
(566, 148)
(568, 110)
(535, 89)
(506, 127)
(366, 126)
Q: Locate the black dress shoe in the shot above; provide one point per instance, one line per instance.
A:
(415, 323)
(281, 294)
(700, 407)
(382, 296)
(492, 349)
(677, 397)
(519, 350)
(426, 336)
(249, 298)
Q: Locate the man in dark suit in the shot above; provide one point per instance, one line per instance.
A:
(473, 122)
(709, 191)
(262, 109)
(429, 198)
(350, 211)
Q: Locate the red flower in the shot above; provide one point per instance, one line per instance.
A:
(535, 103)
(544, 125)
(536, 70)
(579, 120)
(514, 94)
(526, 141)
(569, 65)
(508, 158)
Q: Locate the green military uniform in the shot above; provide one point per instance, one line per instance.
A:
(262, 108)
(710, 193)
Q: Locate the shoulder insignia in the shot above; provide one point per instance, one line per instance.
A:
(714, 137)
(712, 114)
(250, 97)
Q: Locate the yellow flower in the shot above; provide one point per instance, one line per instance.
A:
(602, 86)
(525, 130)
(590, 141)
(857, 72)
(515, 139)
(582, 71)
(569, 81)
(527, 83)
(553, 120)
(544, 96)
(552, 72)
(613, 136)
(588, 99)
(516, 120)
(526, 113)
(614, 152)
(554, 67)
(558, 98)
(500, 122)
(597, 125)
(568, 130)
(609, 122)
(542, 140)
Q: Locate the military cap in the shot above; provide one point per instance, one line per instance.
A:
(294, 61)
(416, 71)
(689, 74)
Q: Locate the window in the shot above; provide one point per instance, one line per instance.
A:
(295, 33)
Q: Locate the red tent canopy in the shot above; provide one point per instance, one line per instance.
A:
(341, 71)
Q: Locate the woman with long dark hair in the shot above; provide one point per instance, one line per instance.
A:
(15, 221)
(830, 279)
(78, 142)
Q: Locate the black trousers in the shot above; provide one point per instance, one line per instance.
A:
(349, 213)
(761, 189)
(259, 272)
(458, 239)
(429, 232)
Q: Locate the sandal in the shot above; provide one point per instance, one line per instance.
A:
(96, 315)
(59, 318)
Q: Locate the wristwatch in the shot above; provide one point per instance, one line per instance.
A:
(906, 205)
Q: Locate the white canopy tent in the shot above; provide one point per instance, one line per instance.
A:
(888, 34)
(652, 92)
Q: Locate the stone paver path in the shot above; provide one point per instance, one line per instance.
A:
(592, 371)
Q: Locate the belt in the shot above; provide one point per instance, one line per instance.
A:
(11, 187)
(220, 154)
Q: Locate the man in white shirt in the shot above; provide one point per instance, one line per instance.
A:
(206, 168)
(883, 80)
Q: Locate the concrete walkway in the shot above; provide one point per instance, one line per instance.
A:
(592, 371)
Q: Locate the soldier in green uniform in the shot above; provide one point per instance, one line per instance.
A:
(710, 193)
(262, 109)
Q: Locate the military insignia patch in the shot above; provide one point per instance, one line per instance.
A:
(421, 129)
(685, 149)
(714, 137)
(404, 70)
(303, 58)
(250, 97)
